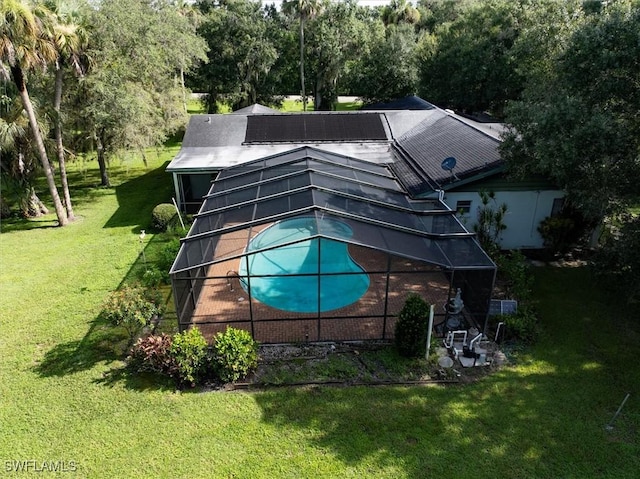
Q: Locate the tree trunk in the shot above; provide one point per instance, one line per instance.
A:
(31, 206)
(57, 101)
(5, 211)
(317, 97)
(102, 163)
(304, 95)
(18, 78)
(184, 91)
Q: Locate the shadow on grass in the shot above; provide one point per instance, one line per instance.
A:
(123, 376)
(136, 199)
(544, 417)
(138, 196)
(26, 224)
(504, 426)
(102, 343)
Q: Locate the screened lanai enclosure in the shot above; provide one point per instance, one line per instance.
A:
(314, 246)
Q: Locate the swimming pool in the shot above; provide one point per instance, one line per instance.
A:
(341, 280)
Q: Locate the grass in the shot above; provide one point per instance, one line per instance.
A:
(345, 364)
(65, 397)
(196, 106)
(296, 106)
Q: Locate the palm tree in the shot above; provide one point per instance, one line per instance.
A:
(304, 10)
(70, 40)
(17, 160)
(24, 45)
(400, 11)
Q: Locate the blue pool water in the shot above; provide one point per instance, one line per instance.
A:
(342, 280)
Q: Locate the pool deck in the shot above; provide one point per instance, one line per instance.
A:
(224, 303)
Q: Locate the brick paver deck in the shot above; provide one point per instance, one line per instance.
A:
(223, 302)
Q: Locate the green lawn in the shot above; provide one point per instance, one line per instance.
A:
(296, 106)
(196, 106)
(63, 396)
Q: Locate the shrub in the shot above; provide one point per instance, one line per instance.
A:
(557, 233)
(131, 307)
(152, 277)
(521, 326)
(490, 222)
(235, 354)
(617, 262)
(565, 230)
(411, 327)
(189, 351)
(153, 354)
(176, 228)
(166, 257)
(162, 215)
(515, 271)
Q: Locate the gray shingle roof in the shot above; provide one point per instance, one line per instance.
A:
(416, 141)
(422, 150)
(256, 108)
(407, 103)
(210, 131)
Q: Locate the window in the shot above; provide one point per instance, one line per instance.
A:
(463, 206)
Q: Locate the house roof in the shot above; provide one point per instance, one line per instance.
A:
(215, 142)
(415, 141)
(422, 150)
(407, 103)
(256, 108)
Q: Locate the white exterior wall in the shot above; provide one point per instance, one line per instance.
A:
(525, 210)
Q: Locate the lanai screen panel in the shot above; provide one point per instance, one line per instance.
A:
(302, 159)
(383, 239)
(388, 217)
(248, 212)
(331, 194)
(465, 253)
(221, 198)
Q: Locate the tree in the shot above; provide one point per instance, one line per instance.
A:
(24, 45)
(132, 98)
(242, 52)
(399, 11)
(578, 123)
(436, 13)
(388, 70)
(304, 10)
(18, 161)
(490, 222)
(473, 68)
(70, 40)
(193, 50)
(336, 37)
(617, 262)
